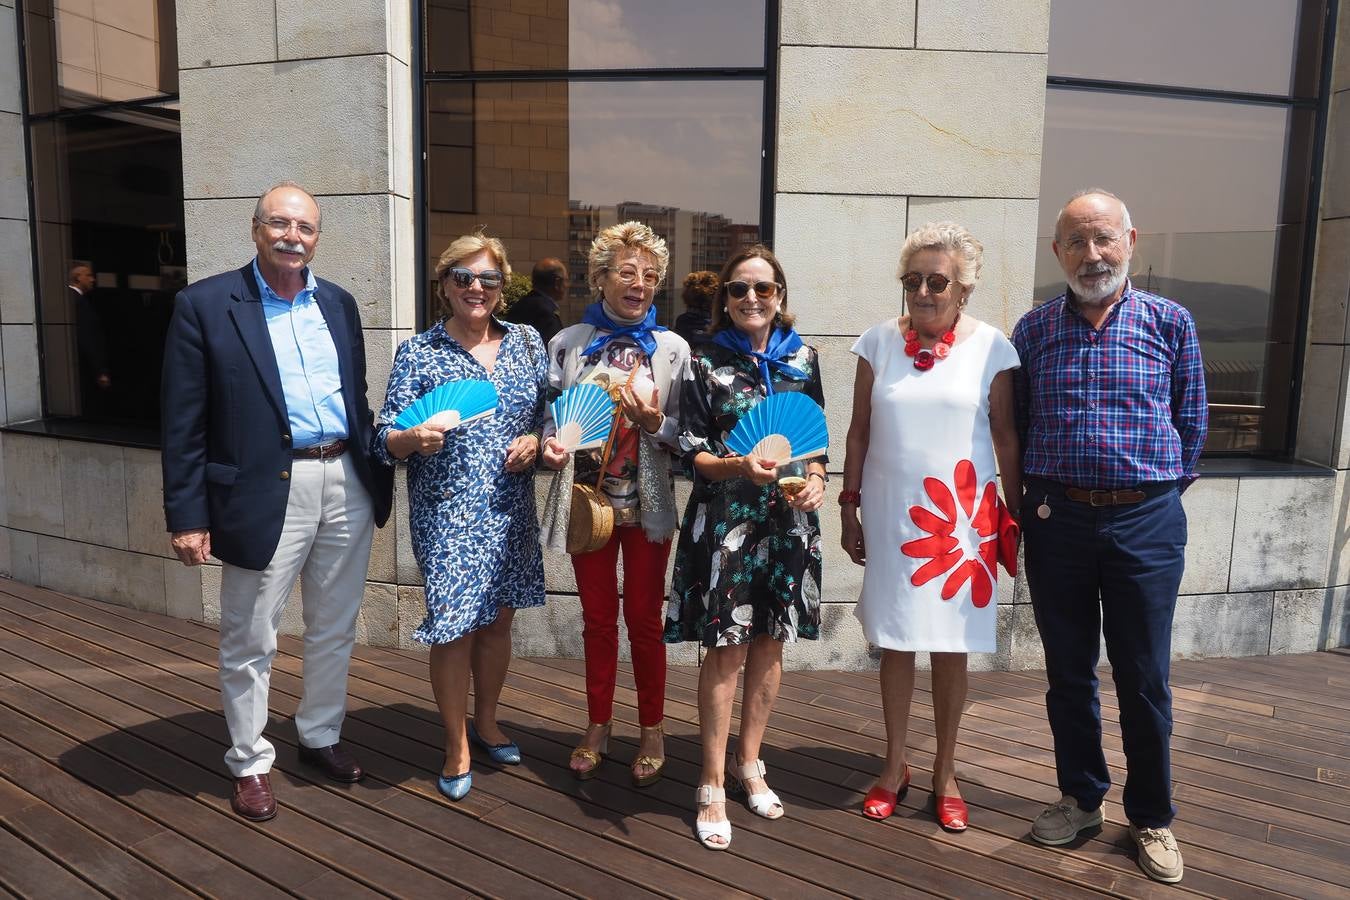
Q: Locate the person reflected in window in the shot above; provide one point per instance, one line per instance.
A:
(700, 288)
(91, 342)
(471, 496)
(1111, 403)
(539, 308)
(619, 345)
(747, 568)
(932, 414)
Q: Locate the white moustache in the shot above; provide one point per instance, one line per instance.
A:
(286, 246)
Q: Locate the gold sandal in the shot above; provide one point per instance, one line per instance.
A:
(655, 763)
(594, 757)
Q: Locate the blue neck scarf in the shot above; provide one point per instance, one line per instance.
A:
(783, 342)
(642, 332)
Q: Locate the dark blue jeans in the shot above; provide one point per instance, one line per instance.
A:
(1113, 570)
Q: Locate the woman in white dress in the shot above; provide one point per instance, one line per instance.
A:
(932, 409)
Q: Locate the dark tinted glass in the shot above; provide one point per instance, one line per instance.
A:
(1231, 45)
(109, 192)
(85, 54)
(1206, 190)
(497, 35)
(544, 165)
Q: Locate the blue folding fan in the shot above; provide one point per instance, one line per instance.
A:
(584, 414)
(451, 404)
(783, 427)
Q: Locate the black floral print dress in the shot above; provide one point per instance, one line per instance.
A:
(747, 563)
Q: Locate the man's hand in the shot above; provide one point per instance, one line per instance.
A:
(192, 547)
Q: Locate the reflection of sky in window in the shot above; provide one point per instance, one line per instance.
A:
(626, 34)
(1232, 45)
(690, 144)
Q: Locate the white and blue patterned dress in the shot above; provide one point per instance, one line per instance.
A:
(474, 530)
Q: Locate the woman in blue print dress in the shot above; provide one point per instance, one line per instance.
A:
(471, 496)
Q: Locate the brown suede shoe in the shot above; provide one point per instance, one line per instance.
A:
(335, 761)
(253, 798)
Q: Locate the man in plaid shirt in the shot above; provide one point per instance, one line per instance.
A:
(1111, 407)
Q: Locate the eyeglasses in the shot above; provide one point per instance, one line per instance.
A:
(629, 275)
(463, 278)
(281, 226)
(1102, 242)
(937, 283)
(763, 289)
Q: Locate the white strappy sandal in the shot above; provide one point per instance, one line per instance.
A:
(706, 796)
(760, 804)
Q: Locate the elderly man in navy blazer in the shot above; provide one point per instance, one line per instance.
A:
(267, 466)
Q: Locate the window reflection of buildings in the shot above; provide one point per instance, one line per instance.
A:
(696, 241)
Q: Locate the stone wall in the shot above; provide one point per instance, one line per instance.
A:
(872, 141)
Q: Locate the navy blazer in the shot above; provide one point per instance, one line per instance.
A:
(226, 449)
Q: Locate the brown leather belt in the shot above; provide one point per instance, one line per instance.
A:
(327, 451)
(1104, 498)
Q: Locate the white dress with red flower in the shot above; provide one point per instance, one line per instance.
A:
(930, 495)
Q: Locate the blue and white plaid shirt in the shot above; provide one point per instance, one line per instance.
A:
(1113, 407)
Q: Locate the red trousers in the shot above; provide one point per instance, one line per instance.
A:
(644, 581)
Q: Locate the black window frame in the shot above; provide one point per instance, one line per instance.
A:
(1310, 91)
(77, 428)
(766, 74)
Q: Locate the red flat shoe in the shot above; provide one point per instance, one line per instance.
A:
(952, 814)
(880, 803)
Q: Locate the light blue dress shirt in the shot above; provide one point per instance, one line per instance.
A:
(307, 360)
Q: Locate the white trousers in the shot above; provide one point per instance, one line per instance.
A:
(326, 541)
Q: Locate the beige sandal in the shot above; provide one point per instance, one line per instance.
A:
(594, 757)
(655, 763)
(706, 796)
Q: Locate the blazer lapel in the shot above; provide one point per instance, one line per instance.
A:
(247, 313)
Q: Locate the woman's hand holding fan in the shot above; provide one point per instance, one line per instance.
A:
(584, 416)
(759, 469)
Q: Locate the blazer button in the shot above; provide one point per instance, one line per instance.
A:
(285, 437)
(285, 476)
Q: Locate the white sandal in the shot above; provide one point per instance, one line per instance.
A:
(760, 804)
(706, 796)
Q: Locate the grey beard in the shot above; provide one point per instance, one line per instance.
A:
(1101, 294)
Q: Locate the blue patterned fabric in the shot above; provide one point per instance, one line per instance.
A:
(473, 525)
(1110, 407)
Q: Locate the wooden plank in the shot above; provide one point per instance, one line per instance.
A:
(26, 872)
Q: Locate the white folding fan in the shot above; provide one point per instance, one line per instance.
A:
(451, 404)
(584, 414)
(783, 427)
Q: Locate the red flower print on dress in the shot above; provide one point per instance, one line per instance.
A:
(944, 550)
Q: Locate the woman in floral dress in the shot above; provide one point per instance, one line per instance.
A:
(471, 496)
(747, 568)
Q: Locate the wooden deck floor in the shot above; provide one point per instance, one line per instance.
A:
(111, 783)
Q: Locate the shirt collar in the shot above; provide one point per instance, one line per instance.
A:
(268, 295)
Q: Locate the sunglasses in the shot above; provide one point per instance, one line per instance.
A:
(462, 278)
(936, 283)
(763, 289)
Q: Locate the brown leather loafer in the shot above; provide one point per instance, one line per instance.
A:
(253, 798)
(335, 761)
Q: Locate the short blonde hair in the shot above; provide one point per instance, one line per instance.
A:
(625, 236)
(967, 252)
(460, 249)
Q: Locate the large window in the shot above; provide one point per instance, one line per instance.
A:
(1202, 116)
(547, 121)
(103, 140)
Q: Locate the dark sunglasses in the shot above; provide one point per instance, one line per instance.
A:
(462, 278)
(763, 289)
(936, 283)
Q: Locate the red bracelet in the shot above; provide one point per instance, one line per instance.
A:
(850, 498)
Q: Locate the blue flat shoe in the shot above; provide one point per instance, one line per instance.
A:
(507, 754)
(455, 788)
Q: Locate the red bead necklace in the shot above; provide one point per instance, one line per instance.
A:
(925, 359)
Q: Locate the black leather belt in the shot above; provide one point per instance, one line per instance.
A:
(327, 451)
